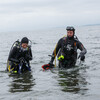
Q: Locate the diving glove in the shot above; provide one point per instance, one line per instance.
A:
(28, 57)
(81, 56)
(51, 63)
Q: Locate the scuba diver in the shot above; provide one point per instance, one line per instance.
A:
(66, 50)
(19, 56)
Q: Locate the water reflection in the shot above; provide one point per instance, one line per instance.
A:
(21, 83)
(72, 81)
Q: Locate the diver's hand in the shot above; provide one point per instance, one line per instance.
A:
(28, 57)
(81, 56)
(51, 63)
(22, 60)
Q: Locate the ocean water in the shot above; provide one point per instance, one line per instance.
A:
(81, 82)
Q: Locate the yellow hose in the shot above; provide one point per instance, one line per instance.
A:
(55, 51)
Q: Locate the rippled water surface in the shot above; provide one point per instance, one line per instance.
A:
(80, 83)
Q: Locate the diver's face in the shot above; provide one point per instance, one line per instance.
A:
(70, 33)
(24, 45)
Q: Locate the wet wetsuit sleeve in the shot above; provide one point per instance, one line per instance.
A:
(30, 54)
(81, 47)
(57, 48)
(12, 55)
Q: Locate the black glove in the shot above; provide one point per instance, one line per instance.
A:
(81, 56)
(28, 57)
(51, 63)
(21, 60)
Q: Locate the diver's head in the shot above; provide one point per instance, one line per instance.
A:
(24, 42)
(70, 31)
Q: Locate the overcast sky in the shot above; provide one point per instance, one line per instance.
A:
(22, 15)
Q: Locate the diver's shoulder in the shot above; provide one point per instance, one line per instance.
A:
(76, 38)
(64, 38)
(15, 48)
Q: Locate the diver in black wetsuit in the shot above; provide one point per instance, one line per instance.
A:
(20, 54)
(66, 50)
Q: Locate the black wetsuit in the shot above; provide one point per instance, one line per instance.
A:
(18, 54)
(68, 48)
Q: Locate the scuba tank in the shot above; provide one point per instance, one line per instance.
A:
(17, 44)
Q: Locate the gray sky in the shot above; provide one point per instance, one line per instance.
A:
(22, 15)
